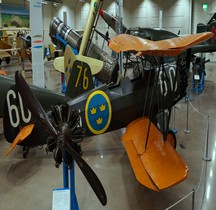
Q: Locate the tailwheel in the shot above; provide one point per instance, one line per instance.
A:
(171, 138)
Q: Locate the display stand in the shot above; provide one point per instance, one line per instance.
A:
(173, 118)
(69, 182)
(187, 131)
(198, 83)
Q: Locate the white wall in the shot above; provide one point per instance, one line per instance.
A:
(201, 16)
(177, 14)
(46, 15)
(145, 13)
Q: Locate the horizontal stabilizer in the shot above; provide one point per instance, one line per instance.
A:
(59, 64)
(22, 135)
(95, 65)
(167, 47)
(155, 162)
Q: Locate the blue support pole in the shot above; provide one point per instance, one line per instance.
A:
(74, 203)
(65, 174)
(71, 182)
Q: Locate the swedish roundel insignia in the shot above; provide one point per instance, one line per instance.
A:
(98, 112)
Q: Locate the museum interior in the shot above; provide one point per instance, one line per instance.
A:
(107, 104)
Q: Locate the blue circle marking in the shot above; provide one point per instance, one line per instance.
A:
(98, 112)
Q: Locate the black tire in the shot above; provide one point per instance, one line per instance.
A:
(7, 60)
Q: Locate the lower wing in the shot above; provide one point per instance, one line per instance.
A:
(155, 162)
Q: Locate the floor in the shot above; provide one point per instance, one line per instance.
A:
(28, 183)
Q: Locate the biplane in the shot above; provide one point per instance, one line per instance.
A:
(137, 104)
(14, 42)
(34, 116)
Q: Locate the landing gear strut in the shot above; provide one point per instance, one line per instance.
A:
(25, 152)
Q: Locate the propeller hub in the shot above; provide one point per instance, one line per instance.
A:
(67, 122)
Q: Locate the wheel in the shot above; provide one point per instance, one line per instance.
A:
(7, 60)
(171, 138)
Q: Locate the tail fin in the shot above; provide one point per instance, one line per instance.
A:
(78, 74)
(16, 121)
(79, 70)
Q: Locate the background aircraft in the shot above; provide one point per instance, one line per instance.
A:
(209, 45)
(160, 34)
(14, 42)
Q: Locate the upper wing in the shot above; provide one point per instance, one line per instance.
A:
(167, 47)
(4, 53)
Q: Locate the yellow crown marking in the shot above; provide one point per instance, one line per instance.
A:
(102, 107)
(99, 120)
(93, 110)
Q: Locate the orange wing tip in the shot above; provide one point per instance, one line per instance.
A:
(22, 135)
(3, 73)
(158, 166)
(168, 47)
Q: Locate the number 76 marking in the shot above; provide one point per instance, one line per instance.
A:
(85, 81)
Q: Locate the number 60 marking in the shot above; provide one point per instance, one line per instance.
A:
(13, 109)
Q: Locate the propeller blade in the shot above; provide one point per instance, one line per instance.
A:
(33, 104)
(89, 174)
(24, 132)
(37, 110)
